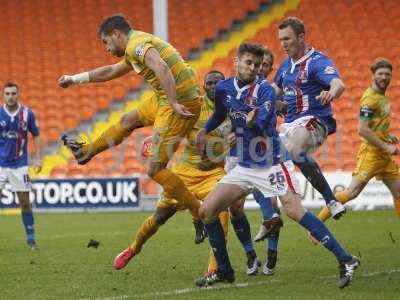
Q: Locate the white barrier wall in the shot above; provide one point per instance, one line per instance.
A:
(375, 194)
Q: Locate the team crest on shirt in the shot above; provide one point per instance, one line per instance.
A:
(329, 70)
(139, 51)
(3, 123)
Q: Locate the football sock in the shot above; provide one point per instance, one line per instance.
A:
(320, 232)
(113, 136)
(223, 218)
(218, 245)
(29, 224)
(325, 214)
(397, 206)
(312, 172)
(273, 241)
(175, 187)
(146, 230)
(242, 230)
(265, 204)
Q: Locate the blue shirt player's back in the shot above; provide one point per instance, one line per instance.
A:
(258, 146)
(302, 81)
(14, 129)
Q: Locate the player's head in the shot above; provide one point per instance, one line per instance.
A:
(381, 70)
(210, 81)
(267, 63)
(291, 32)
(250, 56)
(114, 32)
(10, 92)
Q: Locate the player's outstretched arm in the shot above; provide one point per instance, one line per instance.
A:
(100, 74)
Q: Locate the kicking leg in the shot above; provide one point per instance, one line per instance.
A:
(148, 228)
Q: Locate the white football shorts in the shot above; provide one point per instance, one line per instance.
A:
(18, 178)
(271, 181)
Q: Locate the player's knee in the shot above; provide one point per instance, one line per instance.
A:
(130, 121)
(206, 213)
(236, 211)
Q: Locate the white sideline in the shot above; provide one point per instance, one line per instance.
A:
(225, 286)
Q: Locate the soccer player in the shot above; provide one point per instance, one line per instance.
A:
(16, 121)
(250, 105)
(375, 156)
(309, 82)
(199, 173)
(177, 93)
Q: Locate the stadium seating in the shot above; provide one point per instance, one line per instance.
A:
(351, 32)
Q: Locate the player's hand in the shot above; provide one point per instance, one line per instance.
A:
(37, 167)
(65, 81)
(182, 111)
(281, 107)
(201, 140)
(252, 117)
(231, 139)
(393, 139)
(391, 149)
(325, 97)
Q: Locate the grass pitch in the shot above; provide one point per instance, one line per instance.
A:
(64, 268)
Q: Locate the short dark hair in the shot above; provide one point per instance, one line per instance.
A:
(295, 23)
(381, 62)
(269, 53)
(10, 84)
(117, 21)
(253, 48)
(214, 72)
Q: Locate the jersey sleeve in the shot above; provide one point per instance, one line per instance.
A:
(32, 124)
(267, 97)
(325, 70)
(367, 109)
(279, 76)
(220, 113)
(137, 50)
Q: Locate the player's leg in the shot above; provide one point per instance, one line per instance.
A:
(169, 130)
(300, 144)
(148, 228)
(350, 193)
(20, 184)
(111, 137)
(219, 199)
(27, 219)
(242, 230)
(294, 209)
(272, 245)
(394, 187)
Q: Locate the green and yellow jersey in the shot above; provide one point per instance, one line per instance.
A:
(215, 141)
(139, 42)
(375, 108)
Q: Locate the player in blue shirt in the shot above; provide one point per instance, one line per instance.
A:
(309, 82)
(16, 121)
(262, 165)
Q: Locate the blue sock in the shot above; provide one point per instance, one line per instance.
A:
(242, 230)
(29, 224)
(265, 205)
(322, 234)
(273, 242)
(216, 238)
